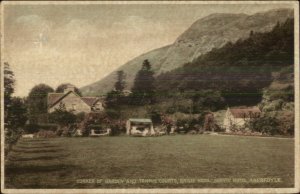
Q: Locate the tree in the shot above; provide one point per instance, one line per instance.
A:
(62, 87)
(143, 87)
(14, 107)
(14, 110)
(18, 112)
(239, 76)
(120, 83)
(207, 100)
(9, 83)
(116, 97)
(112, 99)
(37, 101)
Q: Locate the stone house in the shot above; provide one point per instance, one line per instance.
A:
(238, 116)
(73, 102)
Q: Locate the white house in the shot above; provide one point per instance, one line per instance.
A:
(238, 116)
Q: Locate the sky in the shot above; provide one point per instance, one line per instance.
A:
(81, 44)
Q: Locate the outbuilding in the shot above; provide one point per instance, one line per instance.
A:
(238, 116)
(139, 127)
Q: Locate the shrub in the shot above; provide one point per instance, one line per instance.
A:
(286, 123)
(12, 136)
(80, 117)
(155, 117)
(288, 106)
(46, 134)
(48, 126)
(286, 94)
(117, 129)
(113, 114)
(31, 128)
(265, 124)
(171, 110)
(62, 117)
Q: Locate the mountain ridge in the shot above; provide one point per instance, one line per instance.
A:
(212, 31)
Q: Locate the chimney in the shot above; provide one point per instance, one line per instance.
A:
(69, 88)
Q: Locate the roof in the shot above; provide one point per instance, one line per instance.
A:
(90, 100)
(245, 112)
(136, 120)
(53, 98)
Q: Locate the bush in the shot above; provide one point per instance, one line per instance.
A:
(31, 128)
(12, 136)
(171, 110)
(116, 129)
(113, 114)
(48, 126)
(155, 117)
(62, 117)
(265, 124)
(286, 94)
(46, 134)
(288, 106)
(80, 117)
(286, 123)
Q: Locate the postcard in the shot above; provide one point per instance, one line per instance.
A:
(150, 97)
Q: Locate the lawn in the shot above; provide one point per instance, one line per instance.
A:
(148, 162)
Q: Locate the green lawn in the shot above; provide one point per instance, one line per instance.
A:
(65, 162)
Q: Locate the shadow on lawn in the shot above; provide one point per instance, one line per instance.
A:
(37, 151)
(35, 140)
(16, 159)
(12, 170)
(36, 143)
(37, 147)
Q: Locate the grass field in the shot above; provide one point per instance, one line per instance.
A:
(206, 159)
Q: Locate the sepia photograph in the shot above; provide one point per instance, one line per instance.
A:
(150, 97)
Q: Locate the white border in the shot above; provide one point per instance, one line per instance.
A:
(296, 189)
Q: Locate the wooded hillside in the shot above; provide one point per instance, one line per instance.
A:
(237, 71)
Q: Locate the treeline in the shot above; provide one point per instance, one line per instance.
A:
(237, 71)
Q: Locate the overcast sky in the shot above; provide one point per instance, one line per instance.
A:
(81, 44)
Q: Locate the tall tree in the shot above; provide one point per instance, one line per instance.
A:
(9, 83)
(62, 87)
(37, 101)
(120, 83)
(143, 87)
(115, 97)
(14, 110)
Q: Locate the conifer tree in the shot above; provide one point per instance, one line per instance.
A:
(143, 87)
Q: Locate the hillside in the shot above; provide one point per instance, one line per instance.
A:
(130, 68)
(213, 31)
(263, 59)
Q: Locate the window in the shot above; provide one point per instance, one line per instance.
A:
(73, 106)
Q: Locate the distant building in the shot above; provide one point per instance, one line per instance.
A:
(238, 116)
(73, 102)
